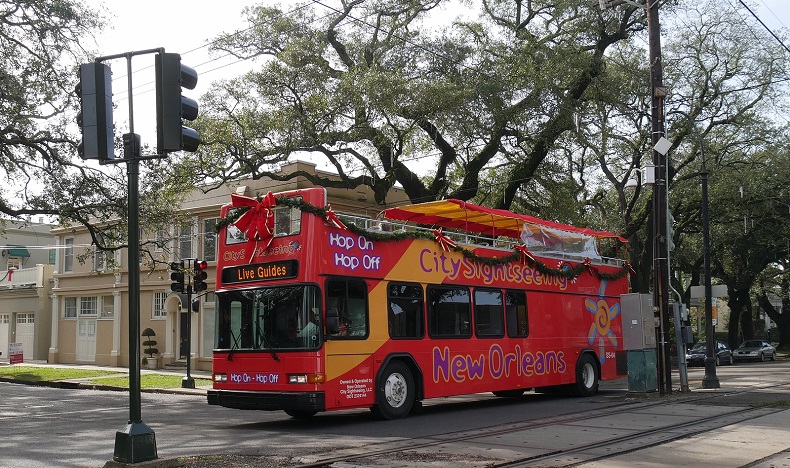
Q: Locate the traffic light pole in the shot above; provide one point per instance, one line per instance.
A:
(136, 442)
(188, 381)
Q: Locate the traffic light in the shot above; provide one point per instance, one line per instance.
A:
(200, 275)
(94, 91)
(177, 276)
(171, 106)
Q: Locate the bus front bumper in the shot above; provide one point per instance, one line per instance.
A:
(267, 401)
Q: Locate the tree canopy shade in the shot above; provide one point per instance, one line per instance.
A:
(42, 43)
(375, 89)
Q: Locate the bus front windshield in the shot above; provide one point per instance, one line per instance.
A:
(273, 318)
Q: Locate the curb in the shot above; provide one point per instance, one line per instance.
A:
(71, 385)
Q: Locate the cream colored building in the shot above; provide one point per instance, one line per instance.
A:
(90, 313)
(26, 265)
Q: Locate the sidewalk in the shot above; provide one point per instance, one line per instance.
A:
(89, 383)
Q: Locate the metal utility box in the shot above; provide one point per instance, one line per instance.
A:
(638, 321)
(639, 340)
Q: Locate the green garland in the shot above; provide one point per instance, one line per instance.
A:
(565, 271)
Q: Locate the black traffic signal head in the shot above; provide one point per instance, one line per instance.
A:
(171, 106)
(177, 276)
(94, 118)
(200, 275)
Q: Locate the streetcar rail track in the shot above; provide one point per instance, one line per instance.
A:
(639, 440)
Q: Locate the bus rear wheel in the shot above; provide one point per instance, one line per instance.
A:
(586, 377)
(394, 392)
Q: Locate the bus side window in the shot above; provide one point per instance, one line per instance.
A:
(517, 317)
(350, 300)
(449, 311)
(489, 313)
(405, 310)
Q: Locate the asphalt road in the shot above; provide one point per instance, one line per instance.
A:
(43, 426)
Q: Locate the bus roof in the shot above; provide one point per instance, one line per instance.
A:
(458, 214)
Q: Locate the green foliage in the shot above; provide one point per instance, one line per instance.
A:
(150, 350)
(49, 374)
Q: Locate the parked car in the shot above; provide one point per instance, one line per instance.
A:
(695, 356)
(755, 349)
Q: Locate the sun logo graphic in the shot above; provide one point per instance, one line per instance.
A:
(601, 327)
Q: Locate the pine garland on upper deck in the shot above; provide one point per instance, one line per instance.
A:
(519, 253)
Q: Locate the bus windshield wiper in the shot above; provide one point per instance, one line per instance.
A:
(269, 348)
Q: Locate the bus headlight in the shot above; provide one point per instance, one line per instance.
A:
(221, 378)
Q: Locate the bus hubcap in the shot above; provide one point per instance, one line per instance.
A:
(395, 390)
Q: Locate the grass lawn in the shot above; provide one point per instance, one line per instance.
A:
(102, 377)
(149, 381)
(49, 374)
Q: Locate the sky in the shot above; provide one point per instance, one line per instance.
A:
(186, 26)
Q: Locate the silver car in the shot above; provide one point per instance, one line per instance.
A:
(754, 349)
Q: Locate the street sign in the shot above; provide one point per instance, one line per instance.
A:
(717, 290)
(15, 353)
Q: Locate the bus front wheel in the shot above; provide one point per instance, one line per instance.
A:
(586, 376)
(394, 392)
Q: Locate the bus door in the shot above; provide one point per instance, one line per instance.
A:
(349, 359)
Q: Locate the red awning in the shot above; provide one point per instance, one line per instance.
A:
(458, 214)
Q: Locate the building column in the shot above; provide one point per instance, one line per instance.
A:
(116, 327)
(53, 338)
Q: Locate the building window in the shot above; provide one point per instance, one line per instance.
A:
(70, 307)
(88, 306)
(210, 239)
(14, 263)
(159, 305)
(102, 259)
(107, 307)
(160, 239)
(68, 255)
(185, 242)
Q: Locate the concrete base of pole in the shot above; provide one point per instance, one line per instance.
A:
(710, 380)
(135, 443)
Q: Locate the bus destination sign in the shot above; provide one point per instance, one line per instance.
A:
(260, 272)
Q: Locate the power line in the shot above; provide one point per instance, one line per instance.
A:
(764, 25)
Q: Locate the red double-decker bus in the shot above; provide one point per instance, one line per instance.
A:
(319, 311)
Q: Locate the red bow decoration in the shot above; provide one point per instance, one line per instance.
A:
(588, 263)
(331, 218)
(445, 242)
(257, 223)
(524, 253)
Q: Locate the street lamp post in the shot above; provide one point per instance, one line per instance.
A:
(710, 380)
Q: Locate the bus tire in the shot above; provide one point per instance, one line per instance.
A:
(586, 376)
(509, 393)
(300, 414)
(394, 392)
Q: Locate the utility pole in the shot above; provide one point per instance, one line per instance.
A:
(660, 242)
